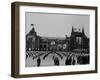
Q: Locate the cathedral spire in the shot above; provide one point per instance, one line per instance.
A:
(72, 29)
(82, 29)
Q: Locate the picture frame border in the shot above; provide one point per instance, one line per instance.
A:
(15, 38)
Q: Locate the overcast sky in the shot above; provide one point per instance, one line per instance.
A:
(56, 25)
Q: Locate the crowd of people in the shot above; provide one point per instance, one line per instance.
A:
(70, 59)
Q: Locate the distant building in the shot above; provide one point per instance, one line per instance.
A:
(77, 41)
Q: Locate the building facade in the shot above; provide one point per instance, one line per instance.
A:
(77, 41)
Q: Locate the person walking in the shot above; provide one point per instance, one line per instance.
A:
(56, 61)
(68, 60)
(38, 62)
(73, 60)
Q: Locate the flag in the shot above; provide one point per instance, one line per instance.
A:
(32, 24)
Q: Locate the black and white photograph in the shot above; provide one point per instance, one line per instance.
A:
(54, 39)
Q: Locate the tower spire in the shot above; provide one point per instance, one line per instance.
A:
(72, 29)
(82, 29)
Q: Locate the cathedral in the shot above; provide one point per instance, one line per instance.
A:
(77, 41)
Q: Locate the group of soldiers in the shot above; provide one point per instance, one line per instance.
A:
(70, 59)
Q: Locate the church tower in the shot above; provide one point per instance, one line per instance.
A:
(31, 38)
(78, 39)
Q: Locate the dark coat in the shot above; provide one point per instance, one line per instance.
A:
(38, 62)
(68, 61)
(56, 61)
